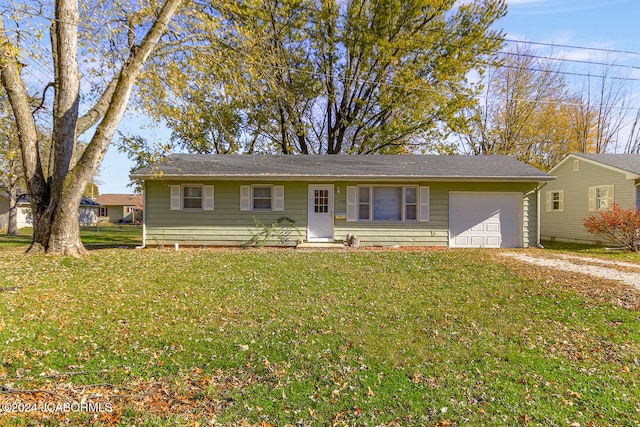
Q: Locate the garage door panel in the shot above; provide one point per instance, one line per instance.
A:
(485, 219)
(492, 242)
(461, 241)
(493, 228)
(477, 240)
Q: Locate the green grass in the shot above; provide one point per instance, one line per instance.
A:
(93, 237)
(350, 337)
(592, 250)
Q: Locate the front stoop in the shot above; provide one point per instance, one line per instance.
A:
(320, 245)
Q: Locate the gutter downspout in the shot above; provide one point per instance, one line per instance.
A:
(539, 244)
(144, 216)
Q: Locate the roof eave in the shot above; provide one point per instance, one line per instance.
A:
(342, 178)
(577, 156)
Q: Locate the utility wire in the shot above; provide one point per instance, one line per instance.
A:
(560, 59)
(565, 46)
(365, 81)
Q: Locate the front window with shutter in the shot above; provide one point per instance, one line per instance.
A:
(192, 197)
(262, 198)
(387, 203)
(410, 203)
(363, 203)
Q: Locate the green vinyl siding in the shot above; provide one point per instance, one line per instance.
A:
(567, 224)
(227, 225)
(435, 232)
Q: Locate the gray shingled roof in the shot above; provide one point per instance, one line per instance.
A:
(342, 166)
(626, 162)
(84, 202)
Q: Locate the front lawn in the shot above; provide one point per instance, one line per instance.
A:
(280, 336)
(107, 235)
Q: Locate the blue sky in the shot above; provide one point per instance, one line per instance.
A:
(595, 24)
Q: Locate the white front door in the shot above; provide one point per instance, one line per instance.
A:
(320, 217)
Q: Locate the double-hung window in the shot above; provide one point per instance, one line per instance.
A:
(600, 198)
(387, 203)
(261, 198)
(555, 201)
(192, 197)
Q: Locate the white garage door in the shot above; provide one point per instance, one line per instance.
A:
(485, 220)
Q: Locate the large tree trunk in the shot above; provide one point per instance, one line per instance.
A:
(56, 228)
(55, 198)
(12, 229)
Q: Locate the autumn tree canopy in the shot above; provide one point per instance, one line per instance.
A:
(301, 76)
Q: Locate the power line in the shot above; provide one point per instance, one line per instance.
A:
(568, 73)
(560, 59)
(565, 46)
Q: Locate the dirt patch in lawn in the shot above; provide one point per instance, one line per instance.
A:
(600, 279)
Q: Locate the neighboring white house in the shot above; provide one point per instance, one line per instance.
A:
(87, 214)
(586, 184)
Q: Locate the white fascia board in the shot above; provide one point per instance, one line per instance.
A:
(342, 178)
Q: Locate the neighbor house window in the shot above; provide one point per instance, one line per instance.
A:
(387, 203)
(103, 211)
(192, 197)
(555, 201)
(600, 198)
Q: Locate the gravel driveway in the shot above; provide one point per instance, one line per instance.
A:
(626, 272)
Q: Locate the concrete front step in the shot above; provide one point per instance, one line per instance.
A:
(320, 245)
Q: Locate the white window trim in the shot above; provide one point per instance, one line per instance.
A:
(422, 204)
(593, 191)
(207, 198)
(549, 201)
(277, 197)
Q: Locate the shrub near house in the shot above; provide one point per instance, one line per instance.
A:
(617, 224)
